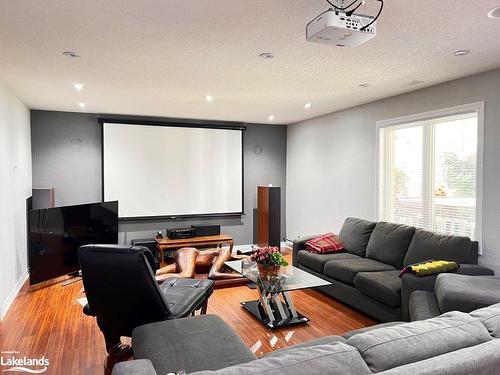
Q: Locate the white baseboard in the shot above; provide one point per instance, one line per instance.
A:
(13, 293)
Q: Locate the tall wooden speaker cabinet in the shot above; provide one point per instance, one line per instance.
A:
(269, 215)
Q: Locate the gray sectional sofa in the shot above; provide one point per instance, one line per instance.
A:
(454, 343)
(366, 275)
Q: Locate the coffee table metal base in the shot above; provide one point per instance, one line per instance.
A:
(255, 308)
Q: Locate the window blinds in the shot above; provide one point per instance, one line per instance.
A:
(427, 174)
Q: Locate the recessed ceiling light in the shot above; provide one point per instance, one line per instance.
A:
(71, 54)
(267, 55)
(81, 105)
(494, 13)
(364, 85)
(209, 98)
(271, 117)
(307, 105)
(461, 52)
(78, 86)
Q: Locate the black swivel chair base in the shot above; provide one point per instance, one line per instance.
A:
(117, 352)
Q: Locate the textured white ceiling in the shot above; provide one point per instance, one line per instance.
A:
(160, 57)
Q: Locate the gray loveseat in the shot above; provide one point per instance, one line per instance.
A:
(365, 275)
(454, 343)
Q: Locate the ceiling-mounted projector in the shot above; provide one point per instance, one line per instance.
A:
(339, 26)
(340, 30)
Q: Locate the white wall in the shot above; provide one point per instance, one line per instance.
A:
(331, 160)
(15, 187)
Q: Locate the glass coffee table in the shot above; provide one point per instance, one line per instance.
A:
(275, 308)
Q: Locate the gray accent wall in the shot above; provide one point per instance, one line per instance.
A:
(331, 160)
(66, 153)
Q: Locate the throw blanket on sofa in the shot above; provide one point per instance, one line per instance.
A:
(327, 243)
(430, 267)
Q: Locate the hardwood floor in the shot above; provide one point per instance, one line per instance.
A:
(328, 317)
(49, 322)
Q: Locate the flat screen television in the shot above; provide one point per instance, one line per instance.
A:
(57, 233)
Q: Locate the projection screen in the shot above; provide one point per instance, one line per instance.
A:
(167, 171)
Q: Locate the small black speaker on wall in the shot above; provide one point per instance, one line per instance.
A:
(269, 215)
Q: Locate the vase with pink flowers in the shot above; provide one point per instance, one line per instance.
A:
(269, 260)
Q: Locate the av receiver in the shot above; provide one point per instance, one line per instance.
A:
(178, 233)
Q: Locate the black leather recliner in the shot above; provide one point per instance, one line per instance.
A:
(122, 293)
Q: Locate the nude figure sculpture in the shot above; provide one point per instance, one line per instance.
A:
(188, 261)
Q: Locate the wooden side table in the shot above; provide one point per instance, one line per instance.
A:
(166, 243)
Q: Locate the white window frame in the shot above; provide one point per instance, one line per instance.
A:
(465, 108)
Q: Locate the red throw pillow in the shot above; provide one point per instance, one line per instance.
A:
(327, 243)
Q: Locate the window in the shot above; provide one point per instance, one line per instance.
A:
(430, 171)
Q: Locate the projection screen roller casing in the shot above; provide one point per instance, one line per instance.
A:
(163, 171)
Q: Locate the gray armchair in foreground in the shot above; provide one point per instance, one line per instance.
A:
(454, 343)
